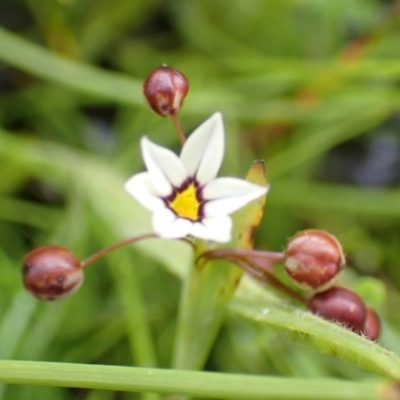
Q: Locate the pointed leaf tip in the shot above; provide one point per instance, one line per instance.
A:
(257, 173)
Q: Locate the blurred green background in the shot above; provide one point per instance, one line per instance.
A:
(311, 86)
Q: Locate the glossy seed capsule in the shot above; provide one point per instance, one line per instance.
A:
(165, 89)
(313, 259)
(341, 305)
(51, 272)
(372, 325)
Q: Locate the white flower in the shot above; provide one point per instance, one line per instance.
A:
(183, 192)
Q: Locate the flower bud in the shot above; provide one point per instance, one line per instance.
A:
(372, 325)
(313, 259)
(340, 305)
(164, 89)
(51, 272)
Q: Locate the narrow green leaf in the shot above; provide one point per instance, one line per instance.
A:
(14, 326)
(194, 383)
(29, 213)
(317, 196)
(84, 78)
(315, 140)
(123, 268)
(262, 306)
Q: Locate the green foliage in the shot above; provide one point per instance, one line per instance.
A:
(310, 86)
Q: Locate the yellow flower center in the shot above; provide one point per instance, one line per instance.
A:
(185, 204)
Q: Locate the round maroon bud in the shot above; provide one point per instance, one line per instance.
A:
(313, 259)
(340, 305)
(164, 89)
(372, 325)
(51, 272)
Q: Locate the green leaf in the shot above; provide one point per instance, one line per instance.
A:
(337, 198)
(29, 213)
(194, 383)
(253, 301)
(84, 78)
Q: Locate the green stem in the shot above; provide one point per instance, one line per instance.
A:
(205, 384)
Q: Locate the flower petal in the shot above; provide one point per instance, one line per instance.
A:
(226, 195)
(141, 188)
(168, 225)
(165, 169)
(203, 151)
(217, 229)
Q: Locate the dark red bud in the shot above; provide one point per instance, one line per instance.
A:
(372, 325)
(314, 258)
(51, 272)
(340, 305)
(164, 89)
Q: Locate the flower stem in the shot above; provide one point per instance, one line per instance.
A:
(260, 264)
(178, 127)
(96, 256)
(271, 256)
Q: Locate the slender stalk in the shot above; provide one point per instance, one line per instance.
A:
(178, 128)
(115, 246)
(271, 280)
(192, 383)
(267, 276)
(260, 264)
(248, 254)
